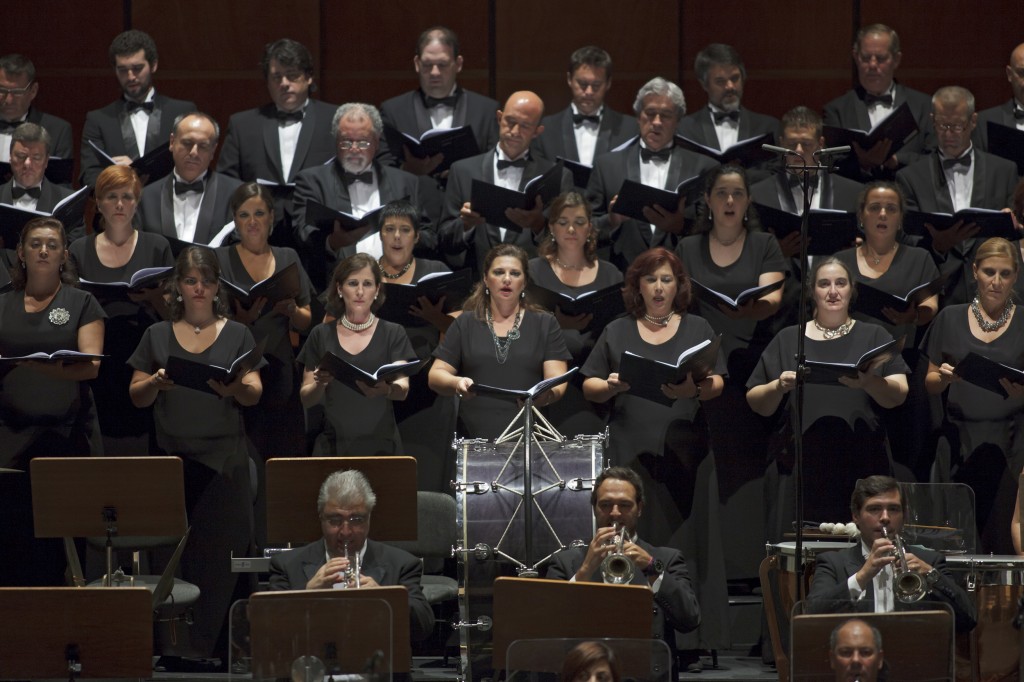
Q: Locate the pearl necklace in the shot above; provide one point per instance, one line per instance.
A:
(985, 324)
(875, 260)
(400, 272)
(348, 324)
(659, 321)
(577, 268)
(836, 332)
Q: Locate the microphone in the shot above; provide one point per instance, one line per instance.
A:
(778, 150)
(832, 151)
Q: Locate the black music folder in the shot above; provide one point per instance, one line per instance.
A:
(829, 372)
(151, 166)
(194, 375)
(455, 143)
(986, 373)
(283, 284)
(746, 152)
(1003, 141)
(532, 392)
(347, 373)
(899, 126)
(323, 217)
(709, 295)
(491, 201)
(645, 377)
(604, 304)
(146, 278)
(829, 230)
(580, 171)
(871, 300)
(69, 211)
(398, 298)
(633, 197)
(990, 223)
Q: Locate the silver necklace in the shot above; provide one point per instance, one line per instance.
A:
(985, 324)
(198, 328)
(348, 324)
(835, 333)
(502, 346)
(577, 268)
(875, 260)
(400, 273)
(659, 321)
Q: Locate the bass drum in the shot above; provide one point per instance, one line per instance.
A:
(994, 583)
(492, 519)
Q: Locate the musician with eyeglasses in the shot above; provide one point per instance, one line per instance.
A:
(864, 577)
(345, 505)
(618, 500)
(958, 176)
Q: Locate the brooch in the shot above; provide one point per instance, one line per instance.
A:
(59, 316)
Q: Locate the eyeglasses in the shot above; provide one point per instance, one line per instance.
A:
(22, 158)
(361, 145)
(14, 92)
(337, 521)
(954, 127)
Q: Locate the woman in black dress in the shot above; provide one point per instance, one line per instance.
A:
(114, 254)
(500, 339)
(895, 268)
(843, 438)
(207, 431)
(46, 409)
(983, 427)
(425, 419)
(568, 264)
(730, 254)
(361, 416)
(666, 445)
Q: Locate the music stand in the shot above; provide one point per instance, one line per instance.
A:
(109, 496)
(581, 608)
(353, 623)
(294, 483)
(108, 633)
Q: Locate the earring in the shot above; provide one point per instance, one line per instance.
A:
(178, 298)
(861, 226)
(216, 298)
(22, 265)
(522, 295)
(745, 218)
(487, 290)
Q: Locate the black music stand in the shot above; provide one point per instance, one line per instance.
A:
(122, 497)
(294, 483)
(69, 632)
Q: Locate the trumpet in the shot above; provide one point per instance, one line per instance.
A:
(351, 574)
(617, 568)
(908, 587)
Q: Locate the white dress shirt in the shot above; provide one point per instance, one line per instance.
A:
(728, 131)
(442, 116)
(960, 180)
(586, 137)
(186, 209)
(365, 197)
(882, 583)
(25, 201)
(653, 173)
(288, 140)
(140, 123)
(878, 111)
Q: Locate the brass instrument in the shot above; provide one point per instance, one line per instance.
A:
(908, 587)
(617, 568)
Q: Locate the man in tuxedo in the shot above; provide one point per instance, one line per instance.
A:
(355, 184)
(855, 651)
(652, 160)
(876, 53)
(724, 122)
(862, 577)
(618, 501)
(345, 506)
(192, 204)
(959, 176)
(587, 128)
(276, 141)
(18, 89)
(465, 236)
(28, 188)
(1010, 113)
(137, 122)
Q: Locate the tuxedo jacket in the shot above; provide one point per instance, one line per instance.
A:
(634, 237)
(407, 114)
(1002, 114)
(837, 193)
(829, 591)
(559, 137)
(156, 208)
(462, 251)
(699, 127)
(675, 602)
(387, 565)
(111, 129)
(851, 111)
(61, 141)
(49, 196)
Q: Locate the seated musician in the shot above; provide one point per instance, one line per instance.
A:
(345, 504)
(864, 574)
(618, 498)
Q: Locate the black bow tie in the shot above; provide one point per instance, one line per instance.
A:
(885, 100)
(131, 106)
(580, 118)
(286, 116)
(431, 102)
(1018, 113)
(518, 163)
(184, 187)
(366, 176)
(720, 116)
(19, 192)
(951, 164)
(9, 126)
(647, 154)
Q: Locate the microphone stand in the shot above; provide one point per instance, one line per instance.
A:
(805, 170)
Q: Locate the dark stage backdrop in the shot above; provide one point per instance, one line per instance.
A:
(796, 51)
